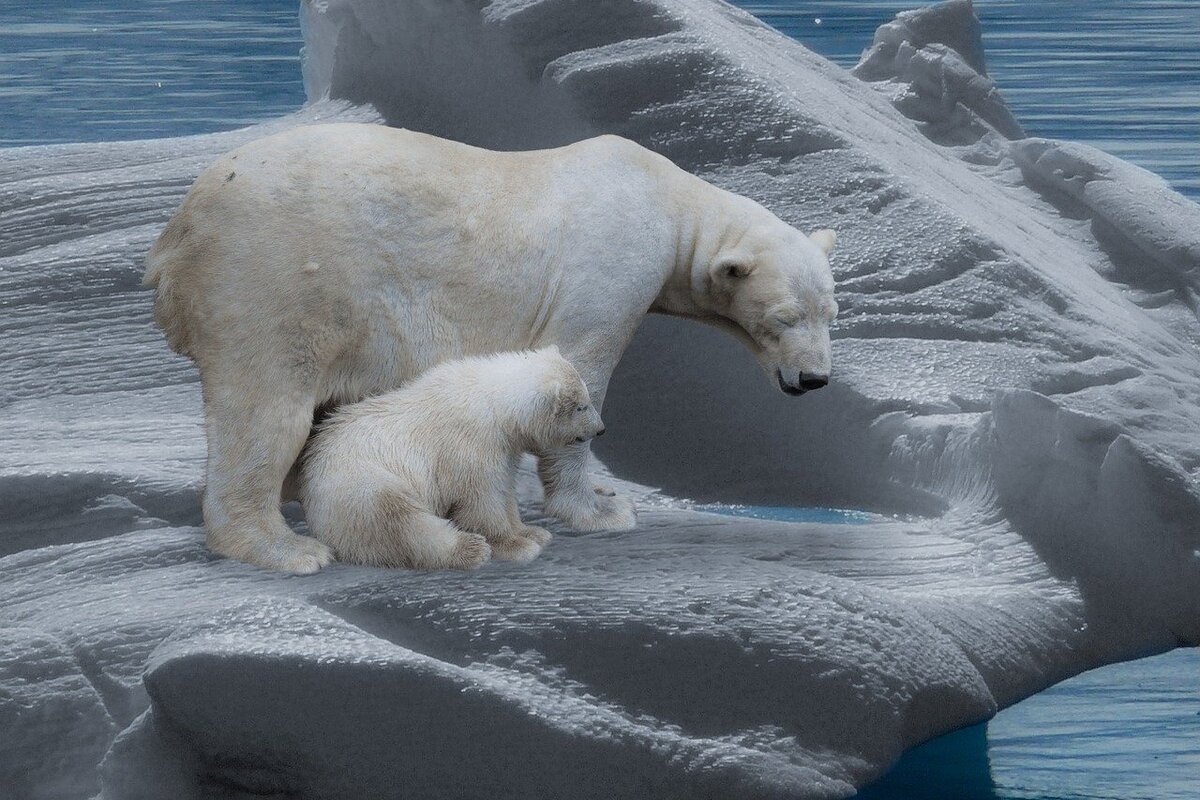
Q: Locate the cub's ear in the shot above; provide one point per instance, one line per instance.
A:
(729, 268)
(824, 239)
(553, 391)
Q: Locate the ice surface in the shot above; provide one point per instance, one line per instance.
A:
(693, 656)
(1016, 367)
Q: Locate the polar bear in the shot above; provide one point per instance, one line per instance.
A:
(425, 476)
(327, 263)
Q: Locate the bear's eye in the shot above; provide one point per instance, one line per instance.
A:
(580, 409)
(787, 320)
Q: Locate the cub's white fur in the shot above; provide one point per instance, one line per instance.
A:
(329, 263)
(425, 476)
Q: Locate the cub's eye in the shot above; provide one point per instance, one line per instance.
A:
(787, 320)
(579, 409)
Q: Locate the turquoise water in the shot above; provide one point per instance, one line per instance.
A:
(830, 516)
(1124, 76)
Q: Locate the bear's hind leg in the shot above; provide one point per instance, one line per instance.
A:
(416, 540)
(252, 442)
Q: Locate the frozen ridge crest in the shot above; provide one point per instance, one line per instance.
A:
(1017, 379)
(931, 63)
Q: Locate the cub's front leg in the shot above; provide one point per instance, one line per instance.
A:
(493, 513)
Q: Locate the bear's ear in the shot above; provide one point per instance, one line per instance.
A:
(824, 239)
(729, 268)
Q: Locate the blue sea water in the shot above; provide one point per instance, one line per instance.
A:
(103, 70)
(1121, 75)
(1124, 732)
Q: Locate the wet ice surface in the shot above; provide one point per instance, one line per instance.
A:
(1017, 396)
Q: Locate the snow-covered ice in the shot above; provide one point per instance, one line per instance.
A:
(1017, 379)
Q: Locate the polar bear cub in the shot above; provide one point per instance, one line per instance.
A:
(425, 476)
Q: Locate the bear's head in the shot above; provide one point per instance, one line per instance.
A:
(564, 411)
(774, 290)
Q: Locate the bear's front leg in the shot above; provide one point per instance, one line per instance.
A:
(572, 498)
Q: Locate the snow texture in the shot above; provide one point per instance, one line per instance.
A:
(1016, 376)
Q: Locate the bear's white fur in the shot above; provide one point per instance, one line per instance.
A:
(329, 263)
(425, 476)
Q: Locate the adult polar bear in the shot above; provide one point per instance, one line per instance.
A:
(327, 263)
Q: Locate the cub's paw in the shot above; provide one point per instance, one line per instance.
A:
(305, 555)
(515, 547)
(471, 551)
(282, 550)
(540, 536)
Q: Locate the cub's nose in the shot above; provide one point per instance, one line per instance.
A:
(600, 432)
(810, 381)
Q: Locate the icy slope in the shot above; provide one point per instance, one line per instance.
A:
(1016, 361)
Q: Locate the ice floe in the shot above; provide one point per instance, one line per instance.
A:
(1016, 381)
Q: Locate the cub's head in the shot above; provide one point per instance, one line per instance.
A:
(775, 288)
(564, 413)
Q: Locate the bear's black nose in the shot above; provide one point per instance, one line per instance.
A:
(600, 432)
(786, 387)
(810, 381)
